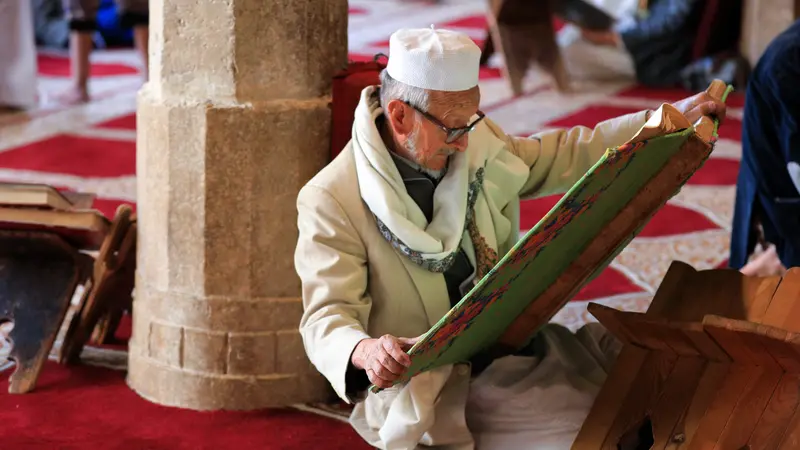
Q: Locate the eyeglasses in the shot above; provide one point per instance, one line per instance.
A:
(453, 134)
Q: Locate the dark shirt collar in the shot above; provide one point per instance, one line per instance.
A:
(410, 171)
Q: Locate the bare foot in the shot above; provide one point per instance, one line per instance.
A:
(766, 264)
(73, 96)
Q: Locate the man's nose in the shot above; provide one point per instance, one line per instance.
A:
(461, 143)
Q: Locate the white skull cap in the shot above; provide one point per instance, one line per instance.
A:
(438, 60)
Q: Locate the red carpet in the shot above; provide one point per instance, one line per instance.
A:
(88, 156)
(122, 123)
(85, 407)
(93, 149)
(58, 66)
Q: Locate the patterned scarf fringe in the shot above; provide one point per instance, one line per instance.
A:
(486, 257)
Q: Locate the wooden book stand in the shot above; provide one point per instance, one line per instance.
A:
(39, 272)
(44, 237)
(110, 293)
(713, 364)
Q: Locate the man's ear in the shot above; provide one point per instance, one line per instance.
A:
(401, 118)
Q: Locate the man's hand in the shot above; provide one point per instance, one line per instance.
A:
(700, 105)
(601, 37)
(384, 359)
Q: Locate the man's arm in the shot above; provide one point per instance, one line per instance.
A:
(559, 158)
(662, 21)
(331, 261)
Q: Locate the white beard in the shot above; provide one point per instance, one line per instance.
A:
(411, 147)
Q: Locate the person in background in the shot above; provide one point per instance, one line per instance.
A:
(52, 28)
(670, 43)
(18, 88)
(82, 15)
(767, 208)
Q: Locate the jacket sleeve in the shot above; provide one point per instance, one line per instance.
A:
(663, 20)
(559, 158)
(330, 259)
(784, 86)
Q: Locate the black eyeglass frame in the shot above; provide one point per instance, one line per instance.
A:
(453, 134)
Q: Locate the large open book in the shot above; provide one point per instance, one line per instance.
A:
(574, 242)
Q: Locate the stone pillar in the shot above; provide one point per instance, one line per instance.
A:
(234, 121)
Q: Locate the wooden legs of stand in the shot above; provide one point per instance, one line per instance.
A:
(38, 275)
(522, 30)
(110, 291)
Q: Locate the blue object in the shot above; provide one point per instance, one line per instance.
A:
(109, 26)
(768, 187)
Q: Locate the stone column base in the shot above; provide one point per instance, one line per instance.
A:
(190, 367)
(215, 322)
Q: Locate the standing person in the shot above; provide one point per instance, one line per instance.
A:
(768, 187)
(82, 24)
(17, 55)
(420, 205)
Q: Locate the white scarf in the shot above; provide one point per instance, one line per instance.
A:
(463, 194)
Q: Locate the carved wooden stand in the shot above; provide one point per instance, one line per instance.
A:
(713, 364)
(41, 267)
(38, 275)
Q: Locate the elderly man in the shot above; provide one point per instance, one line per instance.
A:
(421, 203)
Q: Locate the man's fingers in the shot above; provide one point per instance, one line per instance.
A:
(393, 348)
(383, 373)
(389, 361)
(709, 108)
(720, 111)
(377, 380)
(386, 360)
(407, 343)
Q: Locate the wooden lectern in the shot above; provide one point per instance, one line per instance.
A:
(46, 241)
(713, 364)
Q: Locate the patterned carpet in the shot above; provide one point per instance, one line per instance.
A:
(92, 147)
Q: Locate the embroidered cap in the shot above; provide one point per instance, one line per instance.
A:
(439, 60)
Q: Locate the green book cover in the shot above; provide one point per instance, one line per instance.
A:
(545, 252)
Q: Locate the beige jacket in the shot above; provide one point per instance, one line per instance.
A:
(355, 285)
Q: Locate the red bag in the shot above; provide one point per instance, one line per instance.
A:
(347, 87)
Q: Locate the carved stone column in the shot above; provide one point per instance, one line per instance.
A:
(234, 121)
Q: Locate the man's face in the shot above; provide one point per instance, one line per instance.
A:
(424, 141)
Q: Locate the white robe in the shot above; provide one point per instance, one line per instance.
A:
(17, 54)
(355, 285)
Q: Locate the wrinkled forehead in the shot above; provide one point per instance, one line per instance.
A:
(460, 105)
